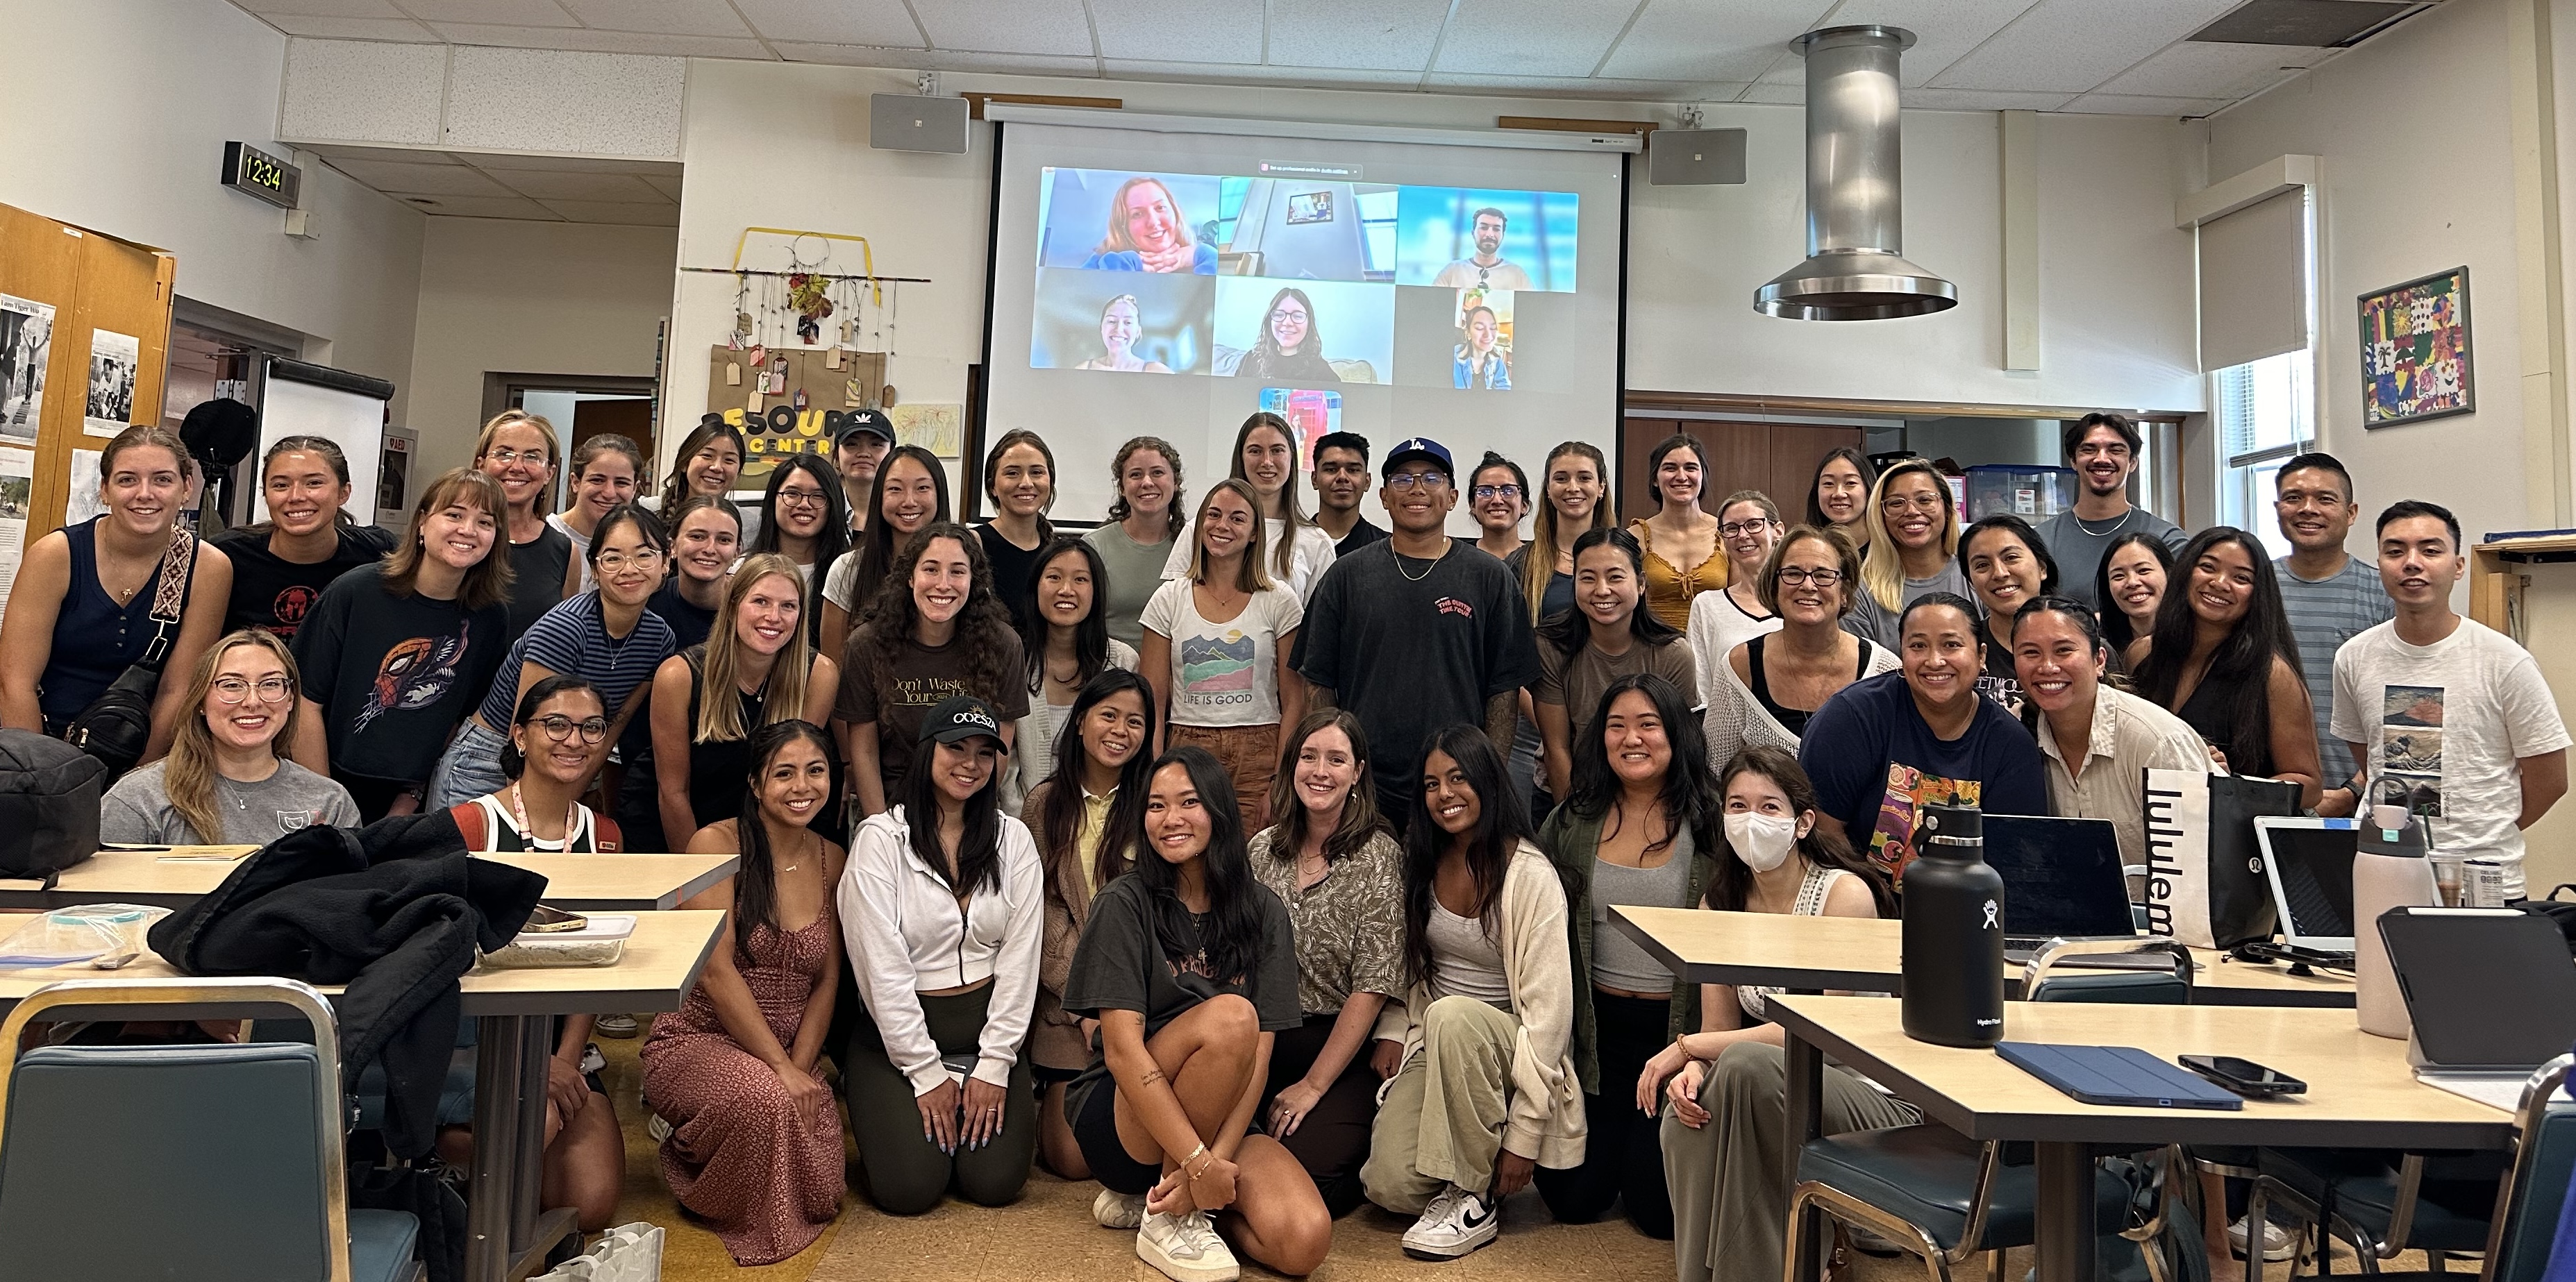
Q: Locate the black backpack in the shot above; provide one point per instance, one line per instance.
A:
(2558, 912)
(48, 804)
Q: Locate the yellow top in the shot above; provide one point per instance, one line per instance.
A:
(1669, 588)
(1086, 839)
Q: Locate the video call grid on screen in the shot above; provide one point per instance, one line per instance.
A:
(1167, 284)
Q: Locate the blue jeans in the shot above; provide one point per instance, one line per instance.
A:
(471, 768)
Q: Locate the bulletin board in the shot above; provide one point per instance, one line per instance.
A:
(799, 412)
(84, 349)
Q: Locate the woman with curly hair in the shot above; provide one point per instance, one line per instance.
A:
(1142, 528)
(936, 630)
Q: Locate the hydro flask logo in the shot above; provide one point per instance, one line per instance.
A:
(1992, 908)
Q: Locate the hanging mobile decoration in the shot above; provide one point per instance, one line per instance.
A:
(741, 312)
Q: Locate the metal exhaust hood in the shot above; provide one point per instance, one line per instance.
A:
(1854, 268)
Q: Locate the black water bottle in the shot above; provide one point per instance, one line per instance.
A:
(1954, 933)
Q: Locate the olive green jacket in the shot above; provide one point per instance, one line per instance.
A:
(1572, 843)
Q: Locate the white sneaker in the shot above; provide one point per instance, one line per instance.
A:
(656, 1128)
(1118, 1210)
(616, 1026)
(1186, 1248)
(1455, 1223)
(2278, 1244)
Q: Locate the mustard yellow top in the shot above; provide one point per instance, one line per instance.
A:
(1669, 589)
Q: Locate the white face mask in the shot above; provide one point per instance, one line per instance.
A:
(1761, 841)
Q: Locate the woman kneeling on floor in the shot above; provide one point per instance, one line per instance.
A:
(755, 1145)
(1188, 964)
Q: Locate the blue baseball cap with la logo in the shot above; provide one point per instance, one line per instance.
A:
(1417, 447)
(960, 717)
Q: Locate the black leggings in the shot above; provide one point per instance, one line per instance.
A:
(1333, 1140)
(899, 1169)
(1623, 1160)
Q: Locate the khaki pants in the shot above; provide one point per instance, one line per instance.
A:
(1730, 1209)
(1441, 1122)
(1250, 755)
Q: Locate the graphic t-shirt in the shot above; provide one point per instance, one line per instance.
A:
(138, 808)
(895, 682)
(394, 674)
(2445, 725)
(1876, 764)
(1224, 674)
(274, 594)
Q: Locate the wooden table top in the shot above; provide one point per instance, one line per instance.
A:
(582, 883)
(661, 963)
(2361, 1092)
(1864, 954)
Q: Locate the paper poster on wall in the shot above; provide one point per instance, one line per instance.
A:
(17, 499)
(934, 427)
(82, 504)
(113, 361)
(26, 344)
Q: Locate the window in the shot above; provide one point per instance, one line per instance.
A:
(2265, 412)
(1377, 228)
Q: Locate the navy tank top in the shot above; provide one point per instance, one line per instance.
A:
(95, 639)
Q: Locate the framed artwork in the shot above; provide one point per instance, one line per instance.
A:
(2415, 350)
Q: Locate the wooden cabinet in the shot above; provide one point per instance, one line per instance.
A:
(92, 282)
(2525, 588)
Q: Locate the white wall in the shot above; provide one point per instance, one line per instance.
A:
(528, 297)
(114, 114)
(2408, 193)
(785, 145)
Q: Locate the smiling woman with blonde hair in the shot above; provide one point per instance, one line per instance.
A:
(223, 782)
(1148, 233)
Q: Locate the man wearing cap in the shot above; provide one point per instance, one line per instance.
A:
(861, 445)
(1341, 480)
(1417, 632)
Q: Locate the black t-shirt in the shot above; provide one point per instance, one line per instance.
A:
(1011, 570)
(1362, 534)
(1124, 963)
(689, 624)
(274, 594)
(537, 570)
(394, 674)
(1415, 647)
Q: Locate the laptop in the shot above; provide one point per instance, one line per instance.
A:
(2062, 880)
(2309, 864)
(2491, 991)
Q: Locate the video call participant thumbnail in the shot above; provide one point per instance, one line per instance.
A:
(1148, 233)
(1486, 268)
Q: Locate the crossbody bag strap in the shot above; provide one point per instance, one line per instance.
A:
(170, 598)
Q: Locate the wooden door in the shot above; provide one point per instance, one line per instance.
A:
(1779, 459)
(92, 283)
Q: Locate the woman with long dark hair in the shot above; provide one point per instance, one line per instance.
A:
(1839, 496)
(1217, 647)
(1019, 477)
(755, 1143)
(1333, 862)
(281, 564)
(1640, 829)
(1910, 550)
(2223, 659)
(2008, 566)
(1144, 523)
(942, 909)
(1065, 642)
(1189, 965)
(803, 518)
(1085, 818)
(910, 492)
(1265, 460)
(604, 470)
(705, 465)
(2130, 585)
(1716, 1086)
(1290, 351)
(1684, 555)
(1607, 636)
(1490, 1010)
(936, 630)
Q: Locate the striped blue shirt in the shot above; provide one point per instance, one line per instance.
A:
(572, 639)
(2325, 613)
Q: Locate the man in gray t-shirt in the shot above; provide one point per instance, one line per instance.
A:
(138, 810)
(2103, 449)
(2330, 596)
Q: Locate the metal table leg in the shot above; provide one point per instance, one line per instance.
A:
(2064, 1227)
(1802, 1098)
(491, 1203)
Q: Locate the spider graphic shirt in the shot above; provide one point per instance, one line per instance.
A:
(394, 674)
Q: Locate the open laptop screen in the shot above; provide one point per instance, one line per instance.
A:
(2311, 863)
(2061, 877)
(2488, 989)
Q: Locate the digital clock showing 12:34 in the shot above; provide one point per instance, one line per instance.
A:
(253, 172)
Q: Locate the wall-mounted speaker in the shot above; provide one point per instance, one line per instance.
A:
(902, 122)
(1694, 157)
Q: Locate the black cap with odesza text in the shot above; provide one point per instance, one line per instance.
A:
(960, 717)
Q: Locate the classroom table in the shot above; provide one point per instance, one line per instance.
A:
(1863, 955)
(582, 883)
(2361, 1093)
(513, 1008)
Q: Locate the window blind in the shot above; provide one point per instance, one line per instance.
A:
(2254, 282)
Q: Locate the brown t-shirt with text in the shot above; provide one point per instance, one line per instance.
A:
(896, 682)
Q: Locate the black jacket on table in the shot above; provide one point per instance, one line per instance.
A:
(394, 911)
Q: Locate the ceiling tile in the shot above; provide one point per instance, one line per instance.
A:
(1179, 30)
(1584, 87)
(483, 207)
(336, 152)
(1732, 40)
(2105, 104)
(419, 180)
(1979, 100)
(504, 161)
(2194, 70)
(556, 186)
(322, 8)
(1944, 30)
(846, 22)
(585, 40)
(666, 17)
(1530, 37)
(512, 13)
(632, 215)
(669, 187)
(1032, 64)
(325, 28)
(2075, 45)
(1384, 35)
(1286, 77)
(1008, 26)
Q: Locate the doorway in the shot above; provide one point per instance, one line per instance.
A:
(580, 407)
(214, 357)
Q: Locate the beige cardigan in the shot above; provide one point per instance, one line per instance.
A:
(1546, 1121)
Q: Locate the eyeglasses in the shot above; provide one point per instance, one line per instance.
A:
(1794, 576)
(1745, 529)
(1498, 491)
(506, 457)
(236, 689)
(1920, 502)
(1427, 480)
(560, 727)
(615, 561)
(801, 498)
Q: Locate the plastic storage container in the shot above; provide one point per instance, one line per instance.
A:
(2026, 490)
(600, 943)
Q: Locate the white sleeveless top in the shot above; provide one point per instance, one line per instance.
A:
(1812, 893)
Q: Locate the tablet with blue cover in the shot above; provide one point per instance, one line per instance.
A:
(2118, 1075)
